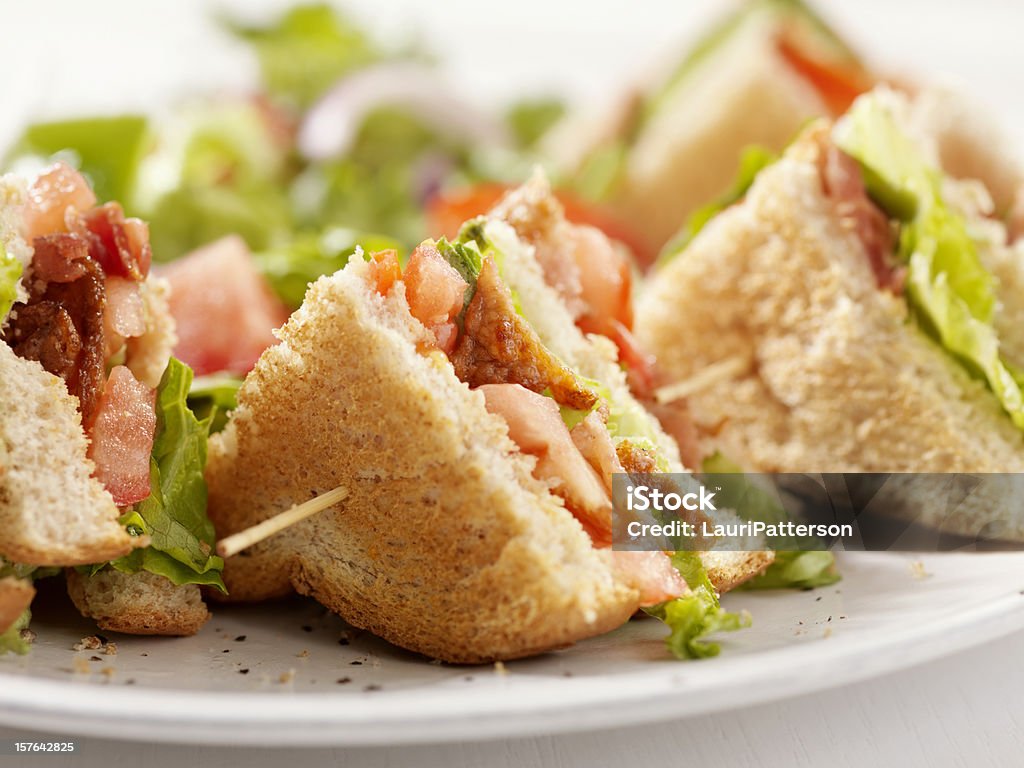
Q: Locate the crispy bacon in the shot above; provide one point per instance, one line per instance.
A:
(843, 182)
(59, 258)
(122, 437)
(499, 347)
(50, 196)
(636, 460)
(125, 315)
(119, 244)
(62, 327)
(594, 443)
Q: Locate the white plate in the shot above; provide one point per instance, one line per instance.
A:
(883, 616)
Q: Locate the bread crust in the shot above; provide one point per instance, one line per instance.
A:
(44, 466)
(446, 545)
(138, 603)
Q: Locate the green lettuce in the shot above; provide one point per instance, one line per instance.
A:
(948, 289)
(291, 267)
(803, 566)
(212, 398)
(694, 616)
(174, 515)
(753, 160)
(10, 274)
(530, 120)
(11, 640)
(107, 149)
(306, 51)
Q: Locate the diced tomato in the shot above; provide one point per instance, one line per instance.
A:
(605, 275)
(122, 437)
(49, 197)
(838, 84)
(594, 443)
(652, 573)
(385, 270)
(448, 211)
(436, 293)
(119, 244)
(224, 308)
(535, 425)
(124, 315)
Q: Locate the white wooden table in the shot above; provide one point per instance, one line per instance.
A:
(966, 709)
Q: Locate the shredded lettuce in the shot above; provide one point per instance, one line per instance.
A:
(11, 640)
(948, 289)
(107, 149)
(10, 274)
(174, 514)
(694, 616)
(306, 51)
(799, 568)
(753, 160)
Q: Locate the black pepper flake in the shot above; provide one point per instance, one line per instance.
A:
(842, 617)
(306, 628)
(130, 681)
(356, 663)
(240, 639)
(468, 678)
(343, 641)
(567, 674)
(817, 599)
(344, 680)
(143, 654)
(95, 658)
(243, 671)
(226, 650)
(372, 688)
(830, 618)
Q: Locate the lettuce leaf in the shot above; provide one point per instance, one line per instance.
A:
(107, 149)
(11, 640)
(949, 291)
(306, 51)
(291, 267)
(800, 568)
(693, 617)
(10, 273)
(174, 514)
(212, 398)
(530, 120)
(753, 160)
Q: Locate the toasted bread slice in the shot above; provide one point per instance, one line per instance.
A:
(838, 380)
(446, 545)
(52, 510)
(686, 151)
(15, 597)
(138, 604)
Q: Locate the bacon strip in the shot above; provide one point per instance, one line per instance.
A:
(499, 347)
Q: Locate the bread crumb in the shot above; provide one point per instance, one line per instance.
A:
(81, 666)
(917, 570)
(304, 654)
(500, 669)
(90, 643)
(110, 649)
(828, 632)
(108, 671)
(286, 677)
